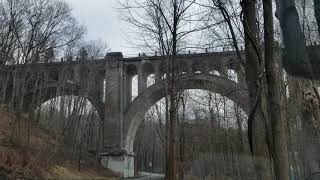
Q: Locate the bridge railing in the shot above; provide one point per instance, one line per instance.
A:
(185, 52)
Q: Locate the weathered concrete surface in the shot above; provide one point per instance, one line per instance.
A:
(123, 164)
(135, 114)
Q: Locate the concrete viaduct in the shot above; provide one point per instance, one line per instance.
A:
(107, 84)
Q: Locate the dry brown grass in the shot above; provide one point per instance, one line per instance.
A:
(28, 152)
(69, 171)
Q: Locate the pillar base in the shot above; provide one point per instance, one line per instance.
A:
(119, 163)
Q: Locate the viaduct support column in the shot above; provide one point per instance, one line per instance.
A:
(95, 89)
(112, 107)
(114, 156)
(241, 75)
(157, 73)
(127, 90)
(223, 70)
(142, 80)
(189, 68)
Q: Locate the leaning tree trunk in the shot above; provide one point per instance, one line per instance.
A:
(280, 149)
(254, 70)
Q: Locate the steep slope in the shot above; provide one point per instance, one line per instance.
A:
(27, 152)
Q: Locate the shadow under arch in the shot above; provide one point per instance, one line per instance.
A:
(135, 114)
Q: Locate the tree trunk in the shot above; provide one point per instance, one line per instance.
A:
(257, 119)
(280, 150)
(173, 96)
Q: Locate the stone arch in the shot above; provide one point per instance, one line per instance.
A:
(51, 91)
(135, 114)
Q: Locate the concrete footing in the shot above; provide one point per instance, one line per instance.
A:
(122, 164)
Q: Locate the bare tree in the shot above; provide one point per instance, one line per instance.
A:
(280, 146)
(96, 48)
(31, 28)
(163, 21)
(259, 126)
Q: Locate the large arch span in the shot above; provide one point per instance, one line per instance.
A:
(135, 114)
(52, 91)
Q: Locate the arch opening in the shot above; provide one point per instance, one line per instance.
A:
(73, 117)
(232, 75)
(131, 78)
(135, 114)
(134, 87)
(151, 80)
(36, 97)
(214, 72)
(203, 117)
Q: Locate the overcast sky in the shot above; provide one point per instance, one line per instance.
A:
(102, 21)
